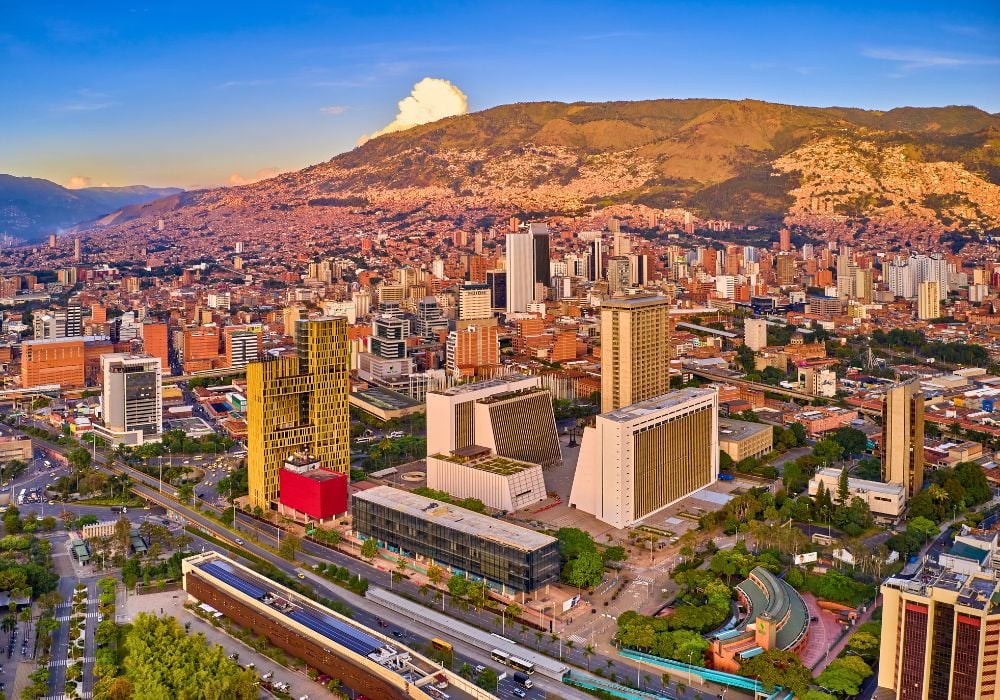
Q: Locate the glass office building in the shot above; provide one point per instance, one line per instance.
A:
(509, 557)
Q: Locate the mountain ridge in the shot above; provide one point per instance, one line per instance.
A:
(745, 160)
(31, 207)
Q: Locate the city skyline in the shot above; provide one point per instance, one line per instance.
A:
(132, 96)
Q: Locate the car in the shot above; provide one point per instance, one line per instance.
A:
(395, 434)
(268, 676)
(239, 541)
(301, 576)
(397, 634)
(480, 668)
(520, 693)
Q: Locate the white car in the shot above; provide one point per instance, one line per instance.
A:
(396, 434)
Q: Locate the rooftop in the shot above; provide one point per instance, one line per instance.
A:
(70, 339)
(770, 596)
(385, 398)
(660, 403)
(634, 302)
(505, 395)
(456, 518)
(479, 386)
(730, 429)
(494, 464)
(863, 484)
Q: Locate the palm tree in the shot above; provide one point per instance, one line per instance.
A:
(588, 651)
(538, 638)
(8, 624)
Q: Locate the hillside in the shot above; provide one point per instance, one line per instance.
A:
(32, 208)
(749, 161)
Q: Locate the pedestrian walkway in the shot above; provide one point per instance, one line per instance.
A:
(842, 642)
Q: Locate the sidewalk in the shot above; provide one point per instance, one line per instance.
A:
(842, 642)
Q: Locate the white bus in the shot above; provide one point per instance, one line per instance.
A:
(500, 656)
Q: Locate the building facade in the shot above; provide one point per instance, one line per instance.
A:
(635, 350)
(741, 439)
(885, 501)
(299, 404)
(499, 482)
(527, 265)
(929, 300)
(940, 636)
(56, 361)
(640, 459)
(755, 333)
(131, 398)
(903, 437)
(507, 556)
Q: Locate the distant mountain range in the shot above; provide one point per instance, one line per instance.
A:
(929, 169)
(32, 208)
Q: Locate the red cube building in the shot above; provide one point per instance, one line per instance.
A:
(309, 493)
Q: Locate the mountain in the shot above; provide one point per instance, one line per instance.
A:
(31, 208)
(930, 169)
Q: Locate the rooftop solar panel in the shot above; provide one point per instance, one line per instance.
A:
(342, 635)
(237, 582)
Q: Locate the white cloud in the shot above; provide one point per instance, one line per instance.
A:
(431, 99)
(78, 182)
(333, 109)
(913, 59)
(262, 174)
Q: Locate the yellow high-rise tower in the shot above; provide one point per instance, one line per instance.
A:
(299, 404)
(903, 437)
(635, 350)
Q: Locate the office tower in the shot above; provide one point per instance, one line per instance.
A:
(638, 459)
(900, 278)
(389, 336)
(155, 342)
(219, 300)
(289, 317)
(928, 300)
(785, 240)
(527, 265)
(131, 398)
(430, 319)
(755, 333)
(473, 350)
(595, 261)
(362, 299)
(621, 244)
(298, 404)
(931, 268)
(940, 633)
(863, 284)
(390, 297)
(53, 361)
(725, 286)
(437, 268)
(98, 313)
(512, 416)
(635, 350)
(785, 269)
(496, 280)
(347, 309)
(76, 249)
(618, 274)
(387, 363)
(201, 348)
(903, 437)
(638, 270)
(58, 323)
(52, 240)
(243, 345)
(474, 302)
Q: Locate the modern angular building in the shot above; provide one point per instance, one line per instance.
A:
(510, 415)
(903, 437)
(299, 403)
(940, 636)
(476, 472)
(635, 350)
(509, 557)
(131, 399)
(527, 266)
(308, 493)
(640, 459)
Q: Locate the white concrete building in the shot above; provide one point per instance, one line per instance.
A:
(639, 459)
(132, 399)
(476, 472)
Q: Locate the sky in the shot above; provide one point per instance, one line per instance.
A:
(200, 94)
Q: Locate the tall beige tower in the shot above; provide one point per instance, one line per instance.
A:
(903, 437)
(929, 300)
(635, 350)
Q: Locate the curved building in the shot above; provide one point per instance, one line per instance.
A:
(775, 617)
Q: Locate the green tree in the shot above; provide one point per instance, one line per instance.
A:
(585, 571)
(369, 549)
(852, 440)
(843, 490)
(828, 451)
(291, 544)
(776, 667)
(573, 542)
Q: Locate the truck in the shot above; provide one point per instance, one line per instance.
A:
(522, 679)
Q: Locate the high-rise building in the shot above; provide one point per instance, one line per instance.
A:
(928, 300)
(155, 342)
(785, 240)
(900, 278)
(635, 350)
(389, 364)
(595, 263)
(201, 348)
(641, 458)
(527, 265)
(243, 345)
(58, 323)
(496, 280)
(53, 361)
(934, 268)
(473, 349)
(755, 333)
(474, 302)
(131, 399)
(299, 404)
(903, 437)
(785, 269)
(430, 319)
(618, 274)
(940, 636)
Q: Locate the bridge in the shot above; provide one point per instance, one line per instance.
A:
(730, 680)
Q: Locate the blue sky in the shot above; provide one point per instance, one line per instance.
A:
(190, 94)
